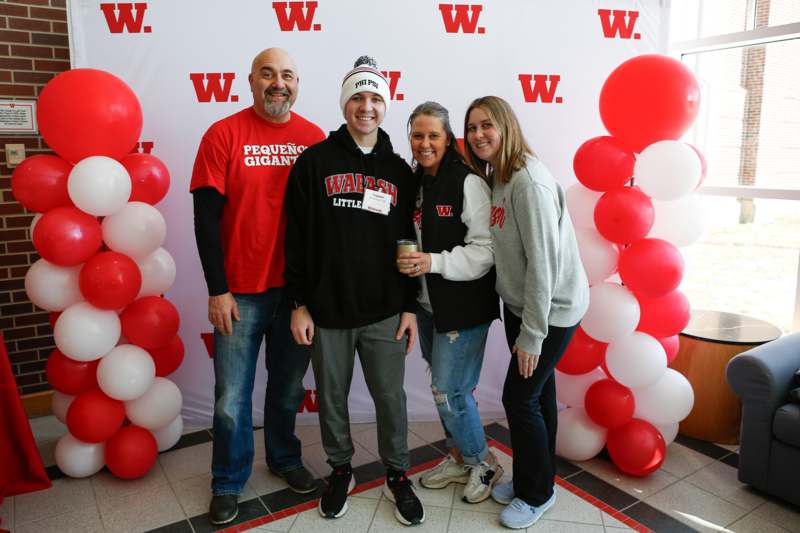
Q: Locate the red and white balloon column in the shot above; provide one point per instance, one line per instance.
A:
(101, 275)
(634, 207)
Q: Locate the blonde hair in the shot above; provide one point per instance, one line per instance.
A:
(514, 150)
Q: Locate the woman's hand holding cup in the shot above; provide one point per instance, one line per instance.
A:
(411, 262)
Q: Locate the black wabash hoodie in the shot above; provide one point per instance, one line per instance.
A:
(340, 259)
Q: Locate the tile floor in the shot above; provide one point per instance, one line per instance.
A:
(692, 491)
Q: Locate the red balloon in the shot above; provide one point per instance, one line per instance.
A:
(624, 215)
(671, 346)
(609, 404)
(150, 322)
(703, 165)
(651, 268)
(66, 236)
(603, 163)
(582, 354)
(649, 98)
(69, 376)
(149, 178)
(85, 112)
(664, 316)
(94, 417)
(168, 358)
(40, 183)
(637, 448)
(110, 280)
(131, 452)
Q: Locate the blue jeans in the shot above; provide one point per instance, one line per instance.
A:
(266, 316)
(455, 359)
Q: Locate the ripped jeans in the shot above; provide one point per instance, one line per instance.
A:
(455, 359)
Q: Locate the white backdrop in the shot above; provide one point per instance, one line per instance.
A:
(171, 51)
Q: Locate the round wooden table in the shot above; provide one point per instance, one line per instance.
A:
(710, 340)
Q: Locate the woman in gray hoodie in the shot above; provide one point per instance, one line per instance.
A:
(545, 294)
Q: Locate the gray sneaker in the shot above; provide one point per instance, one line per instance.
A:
(503, 493)
(481, 479)
(446, 472)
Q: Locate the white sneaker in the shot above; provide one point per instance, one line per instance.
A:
(519, 515)
(503, 493)
(481, 479)
(446, 472)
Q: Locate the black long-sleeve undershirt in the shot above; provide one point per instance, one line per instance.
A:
(208, 204)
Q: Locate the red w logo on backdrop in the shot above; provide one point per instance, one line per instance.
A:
(125, 17)
(618, 23)
(214, 86)
(461, 18)
(393, 77)
(310, 403)
(297, 16)
(540, 88)
(143, 147)
(208, 341)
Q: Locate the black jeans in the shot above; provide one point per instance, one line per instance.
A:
(532, 413)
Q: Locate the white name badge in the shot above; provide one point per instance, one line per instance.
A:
(376, 202)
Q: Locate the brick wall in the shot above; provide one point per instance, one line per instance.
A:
(33, 48)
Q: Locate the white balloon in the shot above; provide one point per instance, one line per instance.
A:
(599, 256)
(169, 435)
(77, 458)
(681, 222)
(158, 273)
(668, 431)
(136, 230)
(613, 312)
(99, 185)
(578, 438)
(53, 287)
(126, 372)
(636, 360)
(667, 401)
(60, 403)
(157, 407)
(571, 389)
(85, 333)
(667, 170)
(581, 202)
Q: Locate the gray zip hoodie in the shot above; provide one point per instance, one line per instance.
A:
(540, 276)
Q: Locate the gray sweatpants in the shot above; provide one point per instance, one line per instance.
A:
(383, 361)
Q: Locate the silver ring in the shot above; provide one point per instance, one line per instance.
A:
(417, 267)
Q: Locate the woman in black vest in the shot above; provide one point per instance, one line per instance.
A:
(458, 301)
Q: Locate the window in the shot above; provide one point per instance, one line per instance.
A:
(746, 56)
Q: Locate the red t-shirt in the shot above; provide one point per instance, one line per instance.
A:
(248, 159)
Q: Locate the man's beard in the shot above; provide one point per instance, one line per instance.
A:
(277, 109)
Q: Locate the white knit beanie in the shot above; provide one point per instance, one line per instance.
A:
(365, 76)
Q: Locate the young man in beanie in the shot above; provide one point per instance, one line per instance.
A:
(238, 195)
(350, 199)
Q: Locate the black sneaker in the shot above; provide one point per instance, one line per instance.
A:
(407, 508)
(333, 503)
(299, 480)
(223, 509)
